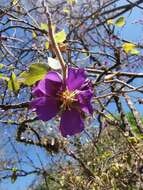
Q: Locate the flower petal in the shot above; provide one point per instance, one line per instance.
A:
(45, 107)
(87, 85)
(54, 76)
(84, 98)
(76, 77)
(48, 86)
(87, 108)
(71, 123)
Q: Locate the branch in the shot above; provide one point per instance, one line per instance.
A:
(117, 73)
(136, 114)
(53, 42)
(14, 106)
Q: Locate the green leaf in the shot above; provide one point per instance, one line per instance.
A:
(13, 83)
(47, 45)
(14, 2)
(14, 169)
(44, 26)
(4, 77)
(35, 73)
(71, 2)
(120, 21)
(14, 175)
(60, 36)
(135, 52)
(1, 66)
(34, 35)
(110, 21)
(130, 48)
(66, 10)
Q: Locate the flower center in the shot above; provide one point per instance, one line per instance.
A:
(68, 97)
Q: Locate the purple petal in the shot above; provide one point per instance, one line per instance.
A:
(45, 107)
(54, 76)
(49, 86)
(75, 79)
(87, 85)
(84, 98)
(87, 108)
(71, 123)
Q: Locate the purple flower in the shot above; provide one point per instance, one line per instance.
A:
(70, 98)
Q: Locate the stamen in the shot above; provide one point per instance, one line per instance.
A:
(68, 97)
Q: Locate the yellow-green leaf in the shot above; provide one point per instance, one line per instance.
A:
(109, 116)
(1, 66)
(14, 2)
(13, 83)
(14, 175)
(135, 52)
(47, 45)
(60, 36)
(44, 26)
(4, 77)
(128, 47)
(110, 21)
(35, 73)
(120, 21)
(34, 35)
(71, 2)
(66, 10)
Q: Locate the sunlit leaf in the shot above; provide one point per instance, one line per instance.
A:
(1, 66)
(44, 26)
(135, 52)
(54, 63)
(14, 169)
(107, 154)
(47, 45)
(133, 140)
(71, 2)
(35, 73)
(109, 116)
(14, 2)
(128, 47)
(13, 83)
(60, 36)
(120, 21)
(110, 21)
(34, 35)
(4, 77)
(139, 136)
(14, 175)
(66, 10)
